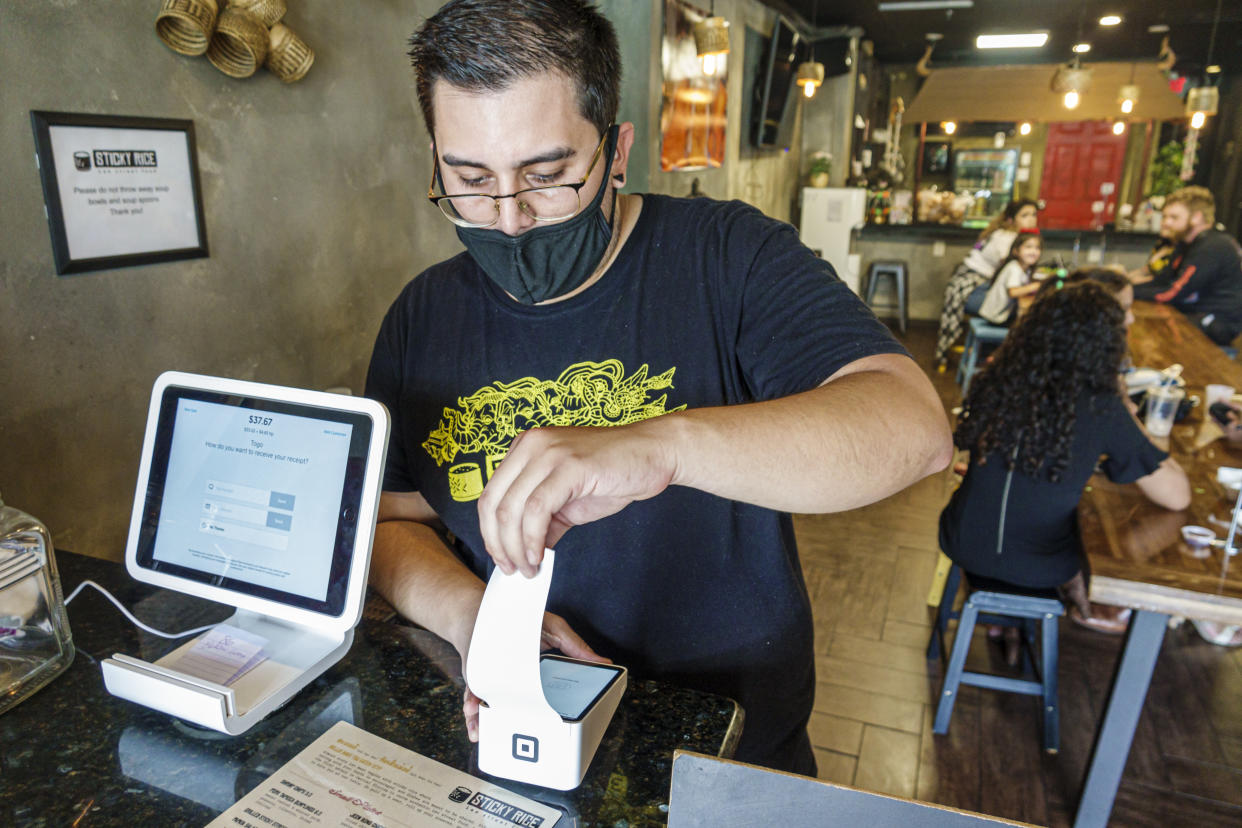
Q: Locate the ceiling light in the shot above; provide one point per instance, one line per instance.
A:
(1024, 128)
(1110, 20)
(1158, 28)
(1028, 40)
(925, 5)
(1127, 96)
(1071, 99)
(949, 127)
(1119, 128)
(1082, 48)
(1214, 69)
(711, 42)
(810, 76)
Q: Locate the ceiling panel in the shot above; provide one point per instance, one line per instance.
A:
(900, 36)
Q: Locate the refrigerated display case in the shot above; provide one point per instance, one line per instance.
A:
(988, 175)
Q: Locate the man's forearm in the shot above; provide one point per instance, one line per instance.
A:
(854, 440)
(426, 583)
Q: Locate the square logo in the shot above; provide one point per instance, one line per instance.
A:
(525, 748)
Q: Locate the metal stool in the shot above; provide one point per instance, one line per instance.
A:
(978, 331)
(896, 270)
(1007, 609)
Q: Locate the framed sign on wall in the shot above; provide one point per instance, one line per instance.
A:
(119, 191)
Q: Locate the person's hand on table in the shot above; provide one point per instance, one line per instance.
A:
(555, 478)
(557, 635)
(1233, 424)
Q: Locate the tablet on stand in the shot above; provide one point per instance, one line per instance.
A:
(263, 498)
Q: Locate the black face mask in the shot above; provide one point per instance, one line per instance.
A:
(546, 262)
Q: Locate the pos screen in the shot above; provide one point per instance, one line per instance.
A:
(255, 495)
(571, 687)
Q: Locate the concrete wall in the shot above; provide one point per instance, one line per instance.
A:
(767, 178)
(315, 216)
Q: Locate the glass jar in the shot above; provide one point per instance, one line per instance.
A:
(35, 642)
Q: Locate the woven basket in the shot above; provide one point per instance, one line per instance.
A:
(239, 46)
(288, 57)
(185, 25)
(268, 12)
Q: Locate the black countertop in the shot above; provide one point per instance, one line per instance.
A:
(72, 754)
(1123, 239)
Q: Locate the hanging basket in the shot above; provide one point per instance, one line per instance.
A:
(268, 12)
(185, 26)
(239, 46)
(288, 58)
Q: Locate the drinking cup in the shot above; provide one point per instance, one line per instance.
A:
(1162, 403)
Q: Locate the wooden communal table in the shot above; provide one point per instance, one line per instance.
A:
(1136, 553)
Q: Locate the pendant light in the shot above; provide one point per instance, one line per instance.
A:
(1204, 100)
(1071, 80)
(1128, 95)
(711, 41)
(811, 72)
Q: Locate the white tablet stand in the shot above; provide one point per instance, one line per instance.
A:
(301, 643)
(521, 737)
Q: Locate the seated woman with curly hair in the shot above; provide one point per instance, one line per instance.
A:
(1038, 418)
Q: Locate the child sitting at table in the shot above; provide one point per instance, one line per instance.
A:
(1014, 279)
(1038, 418)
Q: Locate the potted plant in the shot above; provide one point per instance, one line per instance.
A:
(820, 170)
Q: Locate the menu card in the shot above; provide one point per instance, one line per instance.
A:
(348, 777)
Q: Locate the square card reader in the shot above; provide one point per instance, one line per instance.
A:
(262, 498)
(541, 719)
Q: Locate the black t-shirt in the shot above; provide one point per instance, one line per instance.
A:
(1041, 546)
(708, 303)
(1204, 279)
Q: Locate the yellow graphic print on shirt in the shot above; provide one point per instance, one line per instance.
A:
(585, 394)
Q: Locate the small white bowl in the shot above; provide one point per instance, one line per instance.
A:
(1199, 539)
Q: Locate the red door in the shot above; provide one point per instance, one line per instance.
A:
(1082, 164)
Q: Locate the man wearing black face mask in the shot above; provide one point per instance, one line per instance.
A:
(667, 377)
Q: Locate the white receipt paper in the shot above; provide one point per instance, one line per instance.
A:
(348, 777)
(502, 668)
(223, 655)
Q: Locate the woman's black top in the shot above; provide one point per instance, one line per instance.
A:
(1040, 547)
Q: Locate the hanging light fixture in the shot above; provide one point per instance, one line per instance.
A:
(811, 72)
(1204, 100)
(711, 41)
(810, 76)
(1128, 95)
(1071, 80)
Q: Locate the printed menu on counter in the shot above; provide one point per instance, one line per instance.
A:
(348, 777)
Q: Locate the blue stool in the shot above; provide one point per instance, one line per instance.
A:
(1007, 609)
(978, 332)
(894, 269)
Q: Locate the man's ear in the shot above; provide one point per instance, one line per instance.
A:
(621, 155)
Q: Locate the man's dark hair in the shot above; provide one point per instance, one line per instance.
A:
(485, 45)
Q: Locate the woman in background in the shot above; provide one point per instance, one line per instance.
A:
(1038, 418)
(1014, 280)
(962, 294)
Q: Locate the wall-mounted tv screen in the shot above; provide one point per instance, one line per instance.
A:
(772, 107)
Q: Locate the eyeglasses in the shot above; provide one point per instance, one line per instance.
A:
(553, 203)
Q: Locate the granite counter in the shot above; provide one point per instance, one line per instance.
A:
(72, 754)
